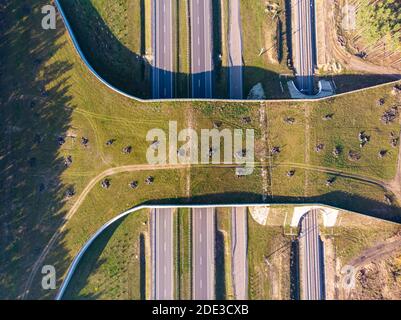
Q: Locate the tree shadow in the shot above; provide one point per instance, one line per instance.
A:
(220, 264)
(35, 112)
(131, 72)
(337, 199)
(89, 264)
(115, 62)
(294, 271)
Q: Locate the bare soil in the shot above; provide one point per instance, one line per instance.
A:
(377, 272)
(332, 52)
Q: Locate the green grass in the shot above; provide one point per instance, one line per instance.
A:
(183, 53)
(344, 129)
(259, 29)
(223, 217)
(75, 104)
(102, 205)
(357, 233)
(112, 34)
(289, 137)
(265, 245)
(184, 259)
(114, 268)
(148, 26)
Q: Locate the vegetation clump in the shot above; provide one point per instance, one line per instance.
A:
(337, 151)
(149, 180)
(381, 21)
(275, 151)
(84, 141)
(394, 140)
(110, 142)
(127, 150)
(363, 138)
(289, 120)
(330, 181)
(328, 117)
(319, 147)
(134, 185)
(291, 173)
(70, 192)
(390, 115)
(68, 161)
(382, 153)
(106, 184)
(354, 156)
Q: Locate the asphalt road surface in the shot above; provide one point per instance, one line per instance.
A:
(201, 48)
(239, 236)
(162, 254)
(304, 45)
(203, 258)
(235, 51)
(312, 271)
(162, 46)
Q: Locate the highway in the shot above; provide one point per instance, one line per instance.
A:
(235, 51)
(162, 48)
(162, 254)
(201, 48)
(303, 14)
(203, 258)
(239, 243)
(311, 256)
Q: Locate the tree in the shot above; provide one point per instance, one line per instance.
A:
(382, 20)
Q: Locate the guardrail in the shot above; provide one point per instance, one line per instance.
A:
(83, 250)
(129, 96)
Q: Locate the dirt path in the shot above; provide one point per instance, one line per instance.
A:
(78, 203)
(380, 251)
(146, 167)
(340, 173)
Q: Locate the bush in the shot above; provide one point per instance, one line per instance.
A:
(382, 20)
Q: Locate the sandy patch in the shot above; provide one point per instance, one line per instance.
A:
(260, 214)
